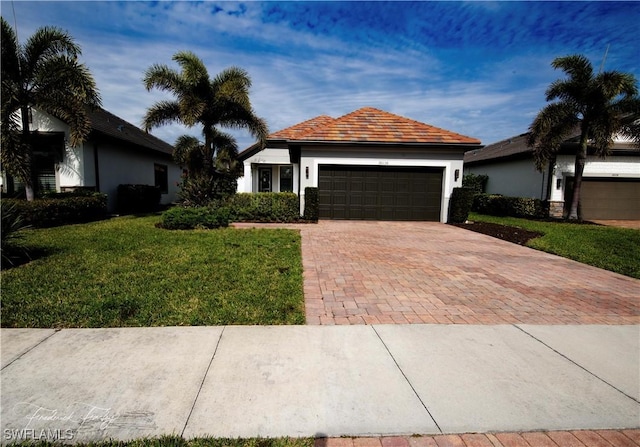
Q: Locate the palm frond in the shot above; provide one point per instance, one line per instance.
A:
(45, 43)
(552, 126)
(184, 148)
(163, 78)
(194, 71)
(161, 113)
(10, 65)
(67, 79)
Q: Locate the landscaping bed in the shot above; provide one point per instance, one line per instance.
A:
(504, 232)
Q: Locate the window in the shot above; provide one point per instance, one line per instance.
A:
(286, 178)
(264, 179)
(161, 177)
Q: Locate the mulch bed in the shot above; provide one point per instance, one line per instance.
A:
(506, 233)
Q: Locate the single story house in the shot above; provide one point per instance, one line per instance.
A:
(610, 185)
(368, 164)
(115, 152)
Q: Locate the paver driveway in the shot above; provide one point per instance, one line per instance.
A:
(419, 272)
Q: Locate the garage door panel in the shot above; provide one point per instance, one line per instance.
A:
(380, 193)
(608, 198)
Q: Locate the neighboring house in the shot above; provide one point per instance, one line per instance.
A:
(115, 152)
(368, 164)
(610, 186)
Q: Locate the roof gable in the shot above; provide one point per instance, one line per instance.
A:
(369, 124)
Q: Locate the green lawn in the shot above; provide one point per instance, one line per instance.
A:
(610, 248)
(127, 272)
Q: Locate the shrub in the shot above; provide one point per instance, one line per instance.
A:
(460, 204)
(61, 210)
(498, 205)
(311, 204)
(134, 199)
(11, 248)
(265, 207)
(78, 192)
(183, 218)
(207, 190)
(476, 182)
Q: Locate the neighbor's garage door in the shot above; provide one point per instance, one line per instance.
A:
(610, 199)
(380, 193)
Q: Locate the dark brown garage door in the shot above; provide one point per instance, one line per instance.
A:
(609, 198)
(379, 193)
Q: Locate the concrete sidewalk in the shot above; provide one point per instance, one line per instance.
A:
(323, 381)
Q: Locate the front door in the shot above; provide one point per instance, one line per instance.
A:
(264, 180)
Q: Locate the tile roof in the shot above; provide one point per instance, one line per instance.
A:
(298, 130)
(369, 125)
(109, 124)
(373, 125)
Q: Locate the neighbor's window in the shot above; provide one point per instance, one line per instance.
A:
(161, 177)
(286, 178)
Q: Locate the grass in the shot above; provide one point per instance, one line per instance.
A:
(610, 248)
(127, 272)
(177, 441)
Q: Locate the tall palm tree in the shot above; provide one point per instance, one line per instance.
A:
(209, 103)
(43, 73)
(597, 107)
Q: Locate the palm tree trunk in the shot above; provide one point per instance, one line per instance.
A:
(581, 157)
(26, 137)
(207, 162)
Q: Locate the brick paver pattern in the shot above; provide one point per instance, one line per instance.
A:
(581, 438)
(422, 272)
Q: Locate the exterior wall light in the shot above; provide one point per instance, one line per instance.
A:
(558, 183)
(456, 175)
(306, 172)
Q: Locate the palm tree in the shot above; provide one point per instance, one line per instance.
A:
(595, 107)
(209, 103)
(43, 73)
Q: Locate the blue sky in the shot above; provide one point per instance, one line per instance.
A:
(476, 68)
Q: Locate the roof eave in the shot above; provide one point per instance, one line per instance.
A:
(470, 146)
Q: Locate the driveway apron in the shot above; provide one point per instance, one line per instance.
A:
(359, 272)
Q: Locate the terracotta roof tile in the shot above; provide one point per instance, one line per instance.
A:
(299, 130)
(373, 125)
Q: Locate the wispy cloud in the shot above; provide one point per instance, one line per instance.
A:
(477, 68)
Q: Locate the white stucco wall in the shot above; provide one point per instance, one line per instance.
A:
(122, 166)
(515, 178)
(71, 171)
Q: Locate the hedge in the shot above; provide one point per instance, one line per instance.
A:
(460, 204)
(182, 218)
(134, 199)
(311, 204)
(264, 207)
(476, 182)
(498, 205)
(61, 209)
